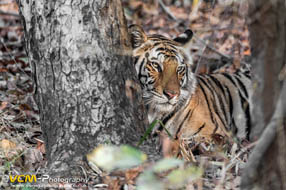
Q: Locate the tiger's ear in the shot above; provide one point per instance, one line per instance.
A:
(184, 38)
(138, 36)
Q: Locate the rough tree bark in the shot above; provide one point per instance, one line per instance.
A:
(266, 167)
(76, 49)
(267, 28)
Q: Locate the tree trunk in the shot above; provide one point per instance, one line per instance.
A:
(77, 50)
(267, 26)
(266, 167)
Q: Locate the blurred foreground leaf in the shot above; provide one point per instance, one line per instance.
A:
(180, 177)
(113, 157)
(166, 164)
(148, 181)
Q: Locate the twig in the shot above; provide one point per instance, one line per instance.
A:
(167, 10)
(13, 58)
(210, 29)
(9, 55)
(17, 44)
(232, 161)
(199, 61)
(208, 45)
(9, 13)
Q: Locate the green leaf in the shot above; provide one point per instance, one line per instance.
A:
(169, 134)
(148, 181)
(25, 59)
(112, 157)
(179, 177)
(166, 164)
(148, 132)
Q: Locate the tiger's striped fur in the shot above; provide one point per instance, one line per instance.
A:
(189, 105)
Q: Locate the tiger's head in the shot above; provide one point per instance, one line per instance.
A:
(163, 67)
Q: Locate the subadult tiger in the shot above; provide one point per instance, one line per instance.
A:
(189, 105)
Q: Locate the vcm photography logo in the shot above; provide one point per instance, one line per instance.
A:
(32, 178)
(22, 178)
(18, 178)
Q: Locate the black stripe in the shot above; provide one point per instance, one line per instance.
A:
(151, 82)
(206, 84)
(234, 129)
(242, 86)
(230, 101)
(172, 51)
(156, 39)
(222, 103)
(211, 114)
(241, 98)
(229, 78)
(188, 115)
(245, 107)
(172, 45)
(214, 100)
(169, 116)
(136, 59)
(161, 53)
(141, 65)
(244, 73)
(160, 49)
(201, 127)
(217, 82)
(157, 43)
(166, 50)
(247, 74)
(140, 70)
(248, 127)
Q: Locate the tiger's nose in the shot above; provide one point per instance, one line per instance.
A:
(170, 93)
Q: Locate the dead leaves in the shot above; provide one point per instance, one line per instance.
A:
(7, 145)
(18, 111)
(221, 159)
(117, 180)
(220, 25)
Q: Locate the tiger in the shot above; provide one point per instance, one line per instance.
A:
(189, 105)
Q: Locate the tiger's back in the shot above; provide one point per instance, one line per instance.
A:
(189, 105)
(218, 106)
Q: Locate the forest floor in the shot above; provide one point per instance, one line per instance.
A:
(221, 38)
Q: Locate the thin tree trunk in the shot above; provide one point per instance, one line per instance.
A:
(76, 49)
(266, 167)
